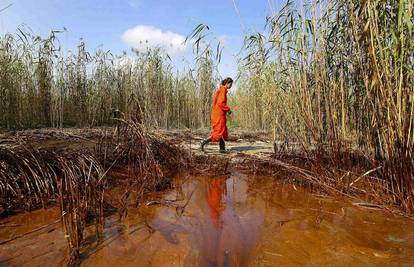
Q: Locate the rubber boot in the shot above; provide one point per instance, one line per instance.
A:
(204, 142)
(222, 145)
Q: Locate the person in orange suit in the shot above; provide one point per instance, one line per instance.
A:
(219, 111)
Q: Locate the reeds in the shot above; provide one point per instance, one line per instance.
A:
(76, 179)
(42, 86)
(337, 75)
(150, 159)
(332, 75)
(30, 178)
(81, 195)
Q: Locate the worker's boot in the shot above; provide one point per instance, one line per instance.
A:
(204, 142)
(222, 145)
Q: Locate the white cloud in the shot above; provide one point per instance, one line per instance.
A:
(142, 36)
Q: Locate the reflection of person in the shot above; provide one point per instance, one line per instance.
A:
(216, 191)
(218, 116)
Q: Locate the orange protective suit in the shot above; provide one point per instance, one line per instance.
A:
(218, 115)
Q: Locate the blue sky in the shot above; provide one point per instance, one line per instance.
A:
(119, 24)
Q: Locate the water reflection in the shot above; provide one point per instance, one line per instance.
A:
(216, 191)
(228, 232)
(228, 221)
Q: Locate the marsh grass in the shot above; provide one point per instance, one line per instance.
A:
(43, 86)
(331, 77)
(334, 76)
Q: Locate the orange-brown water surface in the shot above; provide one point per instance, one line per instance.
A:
(235, 220)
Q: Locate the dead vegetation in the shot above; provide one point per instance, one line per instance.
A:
(351, 175)
(81, 179)
(77, 179)
(32, 178)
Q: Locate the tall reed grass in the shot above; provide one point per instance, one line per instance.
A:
(42, 86)
(331, 75)
(337, 75)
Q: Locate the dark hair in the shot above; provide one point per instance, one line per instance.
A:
(226, 81)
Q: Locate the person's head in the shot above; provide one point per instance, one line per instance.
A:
(228, 82)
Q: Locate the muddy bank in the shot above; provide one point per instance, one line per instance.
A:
(110, 183)
(44, 172)
(346, 172)
(232, 220)
(351, 173)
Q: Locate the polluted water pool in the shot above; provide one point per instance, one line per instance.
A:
(234, 220)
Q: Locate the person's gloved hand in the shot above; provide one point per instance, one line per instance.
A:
(229, 112)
